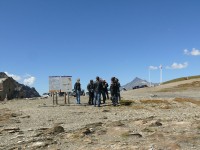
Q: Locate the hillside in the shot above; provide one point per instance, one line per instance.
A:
(183, 88)
(182, 79)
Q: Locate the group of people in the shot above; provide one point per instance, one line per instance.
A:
(99, 89)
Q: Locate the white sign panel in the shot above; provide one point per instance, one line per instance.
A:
(66, 83)
(60, 83)
(54, 83)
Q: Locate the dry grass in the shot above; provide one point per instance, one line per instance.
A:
(182, 79)
(138, 107)
(125, 135)
(182, 87)
(175, 89)
(126, 102)
(189, 100)
(189, 85)
(154, 101)
(161, 104)
(5, 114)
(132, 104)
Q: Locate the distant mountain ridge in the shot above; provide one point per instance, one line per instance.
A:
(136, 82)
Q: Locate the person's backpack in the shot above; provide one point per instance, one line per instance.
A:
(114, 88)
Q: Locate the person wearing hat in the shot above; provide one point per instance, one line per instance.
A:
(77, 88)
(90, 88)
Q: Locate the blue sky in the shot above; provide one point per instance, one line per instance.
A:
(89, 38)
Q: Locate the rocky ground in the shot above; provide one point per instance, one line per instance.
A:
(158, 118)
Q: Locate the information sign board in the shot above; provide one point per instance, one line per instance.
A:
(60, 84)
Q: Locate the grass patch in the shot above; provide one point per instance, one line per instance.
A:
(189, 100)
(5, 117)
(5, 114)
(188, 85)
(166, 90)
(154, 101)
(125, 135)
(182, 87)
(181, 79)
(126, 102)
(175, 89)
(138, 107)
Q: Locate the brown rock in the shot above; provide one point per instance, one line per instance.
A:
(55, 130)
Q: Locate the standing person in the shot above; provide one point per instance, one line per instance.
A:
(114, 91)
(90, 88)
(97, 92)
(77, 88)
(118, 89)
(104, 88)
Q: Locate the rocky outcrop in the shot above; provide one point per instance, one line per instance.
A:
(12, 89)
(26, 91)
(3, 75)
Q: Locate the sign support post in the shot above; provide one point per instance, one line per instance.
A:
(65, 98)
(53, 97)
(68, 98)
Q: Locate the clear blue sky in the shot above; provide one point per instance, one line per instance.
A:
(86, 38)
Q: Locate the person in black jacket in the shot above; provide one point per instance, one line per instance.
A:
(90, 88)
(114, 91)
(77, 88)
(104, 90)
(97, 92)
(118, 89)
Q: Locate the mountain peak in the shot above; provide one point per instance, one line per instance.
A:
(136, 82)
(3, 75)
(136, 79)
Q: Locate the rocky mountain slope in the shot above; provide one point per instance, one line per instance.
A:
(18, 90)
(137, 82)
